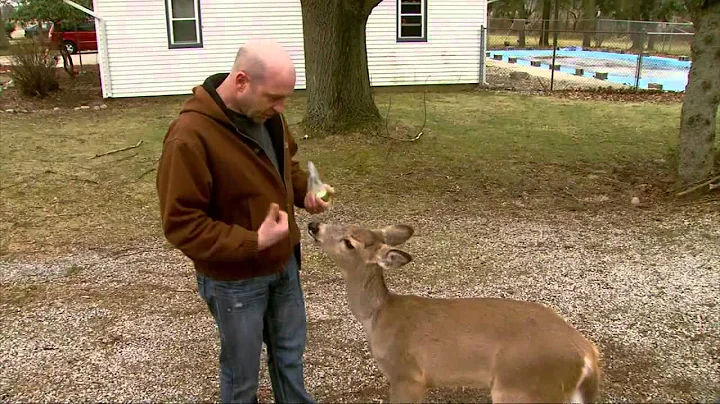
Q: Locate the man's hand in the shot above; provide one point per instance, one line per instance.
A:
(274, 228)
(314, 204)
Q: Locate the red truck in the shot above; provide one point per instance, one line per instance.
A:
(75, 37)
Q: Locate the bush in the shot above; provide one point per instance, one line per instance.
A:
(33, 70)
(9, 28)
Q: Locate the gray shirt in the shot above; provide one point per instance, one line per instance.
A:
(260, 133)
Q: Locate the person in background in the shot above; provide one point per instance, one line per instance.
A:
(228, 182)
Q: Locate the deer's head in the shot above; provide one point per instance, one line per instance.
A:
(353, 248)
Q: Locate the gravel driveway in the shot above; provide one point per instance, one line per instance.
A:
(103, 325)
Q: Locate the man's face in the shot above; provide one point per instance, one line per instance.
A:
(266, 96)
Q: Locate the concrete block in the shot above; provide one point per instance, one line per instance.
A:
(601, 75)
(554, 67)
(497, 57)
(579, 71)
(512, 60)
(535, 63)
(655, 86)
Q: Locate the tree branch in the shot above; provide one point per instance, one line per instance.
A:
(369, 5)
(116, 150)
(708, 183)
(420, 133)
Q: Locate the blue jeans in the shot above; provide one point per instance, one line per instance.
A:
(269, 309)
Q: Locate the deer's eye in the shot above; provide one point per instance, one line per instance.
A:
(348, 244)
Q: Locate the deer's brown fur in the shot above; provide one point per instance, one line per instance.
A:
(521, 351)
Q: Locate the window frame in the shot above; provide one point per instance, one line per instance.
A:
(198, 27)
(424, 22)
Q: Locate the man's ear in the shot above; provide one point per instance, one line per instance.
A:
(395, 234)
(392, 258)
(241, 80)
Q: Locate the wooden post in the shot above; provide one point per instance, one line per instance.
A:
(552, 71)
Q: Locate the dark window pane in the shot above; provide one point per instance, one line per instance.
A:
(410, 8)
(411, 27)
(183, 8)
(184, 31)
(87, 27)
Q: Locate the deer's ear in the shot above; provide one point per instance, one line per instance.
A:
(392, 258)
(396, 234)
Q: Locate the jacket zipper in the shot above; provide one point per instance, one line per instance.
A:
(276, 173)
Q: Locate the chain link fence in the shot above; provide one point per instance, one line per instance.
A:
(636, 54)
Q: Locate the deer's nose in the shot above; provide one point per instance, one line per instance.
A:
(314, 227)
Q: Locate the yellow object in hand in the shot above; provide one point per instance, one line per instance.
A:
(316, 185)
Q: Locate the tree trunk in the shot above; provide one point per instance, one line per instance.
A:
(544, 33)
(339, 97)
(654, 27)
(637, 36)
(702, 95)
(521, 30)
(4, 42)
(588, 24)
(40, 36)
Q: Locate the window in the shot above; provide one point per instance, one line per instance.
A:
(183, 23)
(88, 26)
(412, 20)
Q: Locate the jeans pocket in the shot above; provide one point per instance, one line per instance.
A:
(238, 296)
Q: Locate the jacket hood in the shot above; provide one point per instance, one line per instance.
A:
(205, 100)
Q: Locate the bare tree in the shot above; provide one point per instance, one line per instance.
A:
(547, 7)
(339, 97)
(698, 117)
(589, 21)
(4, 40)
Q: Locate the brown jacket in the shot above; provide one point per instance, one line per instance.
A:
(215, 185)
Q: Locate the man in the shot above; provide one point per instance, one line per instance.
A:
(227, 182)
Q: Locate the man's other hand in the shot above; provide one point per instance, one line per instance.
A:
(274, 228)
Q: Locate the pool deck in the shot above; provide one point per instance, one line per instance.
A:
(567, 80)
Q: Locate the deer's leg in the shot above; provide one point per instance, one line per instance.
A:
(510, 397)
(517, 394)
(407, 391)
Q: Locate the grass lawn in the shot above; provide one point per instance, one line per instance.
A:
(478, 149)
(511, 195)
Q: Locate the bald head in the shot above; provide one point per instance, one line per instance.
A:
(261, 79)
(260, 58)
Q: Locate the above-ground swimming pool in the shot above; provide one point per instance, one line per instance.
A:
(671, 73)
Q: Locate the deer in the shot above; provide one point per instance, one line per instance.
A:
(520, 351)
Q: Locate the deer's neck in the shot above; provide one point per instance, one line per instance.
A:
(367, 293)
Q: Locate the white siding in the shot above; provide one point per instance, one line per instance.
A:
(141, 64)
(451, 54)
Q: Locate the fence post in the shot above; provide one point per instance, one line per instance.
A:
(483, 48)
(638, 68)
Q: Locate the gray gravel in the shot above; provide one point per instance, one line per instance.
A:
(129, 326)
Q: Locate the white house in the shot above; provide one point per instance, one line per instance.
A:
(165, 47)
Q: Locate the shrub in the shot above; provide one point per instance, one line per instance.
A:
(33, 69)
(9, 28)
